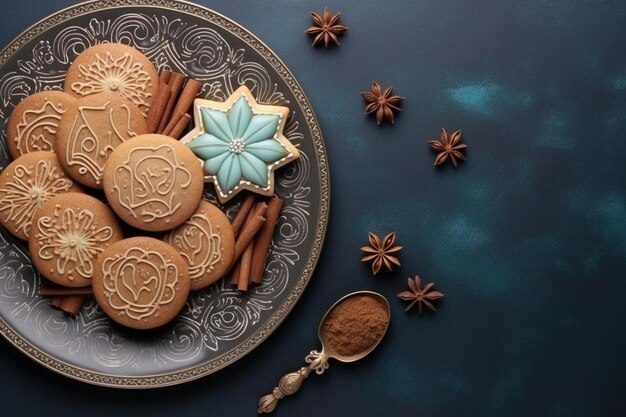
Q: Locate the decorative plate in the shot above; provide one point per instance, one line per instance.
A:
(218, 325)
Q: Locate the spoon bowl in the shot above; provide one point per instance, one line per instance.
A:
(323, 337)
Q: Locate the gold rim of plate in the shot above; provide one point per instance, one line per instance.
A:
(281, 312)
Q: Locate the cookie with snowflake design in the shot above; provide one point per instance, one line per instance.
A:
(240, 143)
(68, 234)
(113, 68)
(25, 185)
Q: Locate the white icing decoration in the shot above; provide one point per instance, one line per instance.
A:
(145, 182)
(37, 128)
(89, 148)
(198, 244)
(28, 190)
(121, 76)
(73, 239)
(139, 271)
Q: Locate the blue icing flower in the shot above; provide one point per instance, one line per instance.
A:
(238, 145)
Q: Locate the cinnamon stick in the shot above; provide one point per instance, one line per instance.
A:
(251, 211)
(176, 82)
(169, 126)
(236, 271)
(189, 94)
(240, 219)
(57, 290)
(263, 240)
(244, 271)
(184, 102)
(56, 302)
(250, 229)
(179, 128)
(164, 77)
(71, 304)
(155, 114)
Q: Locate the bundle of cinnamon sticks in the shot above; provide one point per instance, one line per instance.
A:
(254, 228)
(168, 111)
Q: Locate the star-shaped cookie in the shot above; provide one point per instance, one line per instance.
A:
(240, 143)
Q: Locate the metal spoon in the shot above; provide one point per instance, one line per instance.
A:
(318, 361)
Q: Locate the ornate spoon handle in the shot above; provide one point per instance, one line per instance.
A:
(290, 383)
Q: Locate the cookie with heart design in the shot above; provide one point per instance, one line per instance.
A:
(141, 282)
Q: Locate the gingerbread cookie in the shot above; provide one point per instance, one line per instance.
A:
(153, 182)
(113, 68)
(207, 243)
(67, 234)
(240, 143)
(141, 282)
(33, 123)
(25, 185)
(90, 130)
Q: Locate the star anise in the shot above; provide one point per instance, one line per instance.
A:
(383, 103)
(325, 28)
(381, 252)
(448, 146)
(422, 296)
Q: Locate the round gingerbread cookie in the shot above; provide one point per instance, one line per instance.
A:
(153, 182)
(68, 233)
(90, 130)
(33, 123)
(141, 282)
(207, 243)
(113, 68)
(26, 184)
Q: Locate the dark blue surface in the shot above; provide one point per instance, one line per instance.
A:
(527, 238)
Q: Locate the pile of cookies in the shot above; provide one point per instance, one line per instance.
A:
(111, 205)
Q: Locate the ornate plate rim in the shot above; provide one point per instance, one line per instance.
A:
(282, 311)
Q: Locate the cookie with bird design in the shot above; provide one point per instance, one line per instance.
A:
(89, 132)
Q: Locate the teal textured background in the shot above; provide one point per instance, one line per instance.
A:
(527, 238)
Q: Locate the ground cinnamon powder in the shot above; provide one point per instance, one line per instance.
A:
(355, 325)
